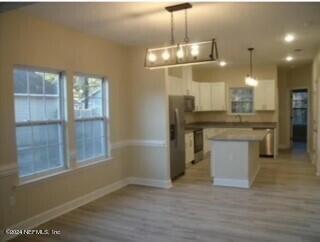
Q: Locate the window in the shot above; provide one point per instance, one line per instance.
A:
(90, 109)
(39, 121)
(241, 100)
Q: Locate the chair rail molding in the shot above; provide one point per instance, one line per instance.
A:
(138, 142)
(8, 169)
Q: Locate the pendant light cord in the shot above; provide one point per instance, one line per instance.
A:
(186, 37)
(251, 63)
(172, 29)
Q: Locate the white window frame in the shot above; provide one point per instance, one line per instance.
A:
(61, 121)
(230, 101)
(104, 118)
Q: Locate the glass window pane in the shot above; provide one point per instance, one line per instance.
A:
(20, 81)
(51, 83)
(39, 134)
(97, 128)
(88, 143)
(21, 105)
(39, 146)
(80, 129)
(241, 100)
(25, 160)
(40, 159)
(37, 108)
(88, 129)
(98, 145)
(36, 82)
(87, 94)
(55, 152)
(80, 150)
(54, 134)
(52, 108)
(24, 137)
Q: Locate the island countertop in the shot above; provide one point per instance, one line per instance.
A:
(266, 125)
(240, 135)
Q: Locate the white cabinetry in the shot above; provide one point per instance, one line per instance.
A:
(195, 91)
(205, 96)
(189, 147)
(208, 133)
(218, 96)
(264, 95)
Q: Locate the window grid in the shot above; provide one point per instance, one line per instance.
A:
(31, 124)
(241, 100)
(84, 119)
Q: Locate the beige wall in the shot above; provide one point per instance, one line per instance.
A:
(289, 79)
(316, 111)
(135, 95)
(234, 77)
(149, 110)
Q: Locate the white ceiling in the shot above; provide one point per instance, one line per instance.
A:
(236, 26)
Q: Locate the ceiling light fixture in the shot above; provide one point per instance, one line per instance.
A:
(222, 63)
(289, 38)
(289, 58)
(181, 54)
(250, 80)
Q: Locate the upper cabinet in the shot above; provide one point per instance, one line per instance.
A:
(218, 96)
(205, 96)
(264, 95)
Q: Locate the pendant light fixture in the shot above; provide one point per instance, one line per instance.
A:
(250, 80)
(181, 54)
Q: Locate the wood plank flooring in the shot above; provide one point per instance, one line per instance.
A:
(283, 205)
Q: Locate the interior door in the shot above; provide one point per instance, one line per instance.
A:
(299, 115)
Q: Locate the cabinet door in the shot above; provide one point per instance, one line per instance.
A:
(189, 147)
(264, 95)
(205, 96)
(195, 91)
(218, 96)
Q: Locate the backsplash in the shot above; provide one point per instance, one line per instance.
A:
(225, 117)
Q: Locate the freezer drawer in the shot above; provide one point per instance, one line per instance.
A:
(267, 145)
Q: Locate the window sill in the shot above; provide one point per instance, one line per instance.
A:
(38, 180)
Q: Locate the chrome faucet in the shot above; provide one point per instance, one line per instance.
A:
(240, 118)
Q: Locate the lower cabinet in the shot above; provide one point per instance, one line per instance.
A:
(189, 147)
(208, 133)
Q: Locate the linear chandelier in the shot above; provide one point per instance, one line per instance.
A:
(250, 80)
(181, 54)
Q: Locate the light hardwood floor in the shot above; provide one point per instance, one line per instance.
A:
(283, 205)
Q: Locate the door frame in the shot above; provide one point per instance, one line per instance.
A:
(291, 90)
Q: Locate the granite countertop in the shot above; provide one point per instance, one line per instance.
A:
(240, 135)
(267, 125)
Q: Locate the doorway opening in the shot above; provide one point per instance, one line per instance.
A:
(299, 120)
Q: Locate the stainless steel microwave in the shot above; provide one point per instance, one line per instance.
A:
(189, 103)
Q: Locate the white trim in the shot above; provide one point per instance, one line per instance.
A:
(159, 183)
(8, 169)
(65, 208)
(231, 182)
(85, 199)
(136, 142)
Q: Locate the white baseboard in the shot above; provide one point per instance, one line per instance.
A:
(231, 182)
(80, 201)
(150, 182)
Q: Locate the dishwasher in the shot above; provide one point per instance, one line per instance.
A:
(267, 144)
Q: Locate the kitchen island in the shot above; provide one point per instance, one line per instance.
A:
(235, 160)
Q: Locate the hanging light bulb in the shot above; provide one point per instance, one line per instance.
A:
(249, 80)
(194, 50)
(152, 57)
(165, 55)
(180, 53)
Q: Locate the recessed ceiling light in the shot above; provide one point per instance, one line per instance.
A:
(289, 58)
(222, 63)
(289, 38)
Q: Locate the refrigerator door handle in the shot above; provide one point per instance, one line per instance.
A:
(177, 122)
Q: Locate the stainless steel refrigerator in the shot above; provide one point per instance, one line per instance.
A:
(177, 144)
